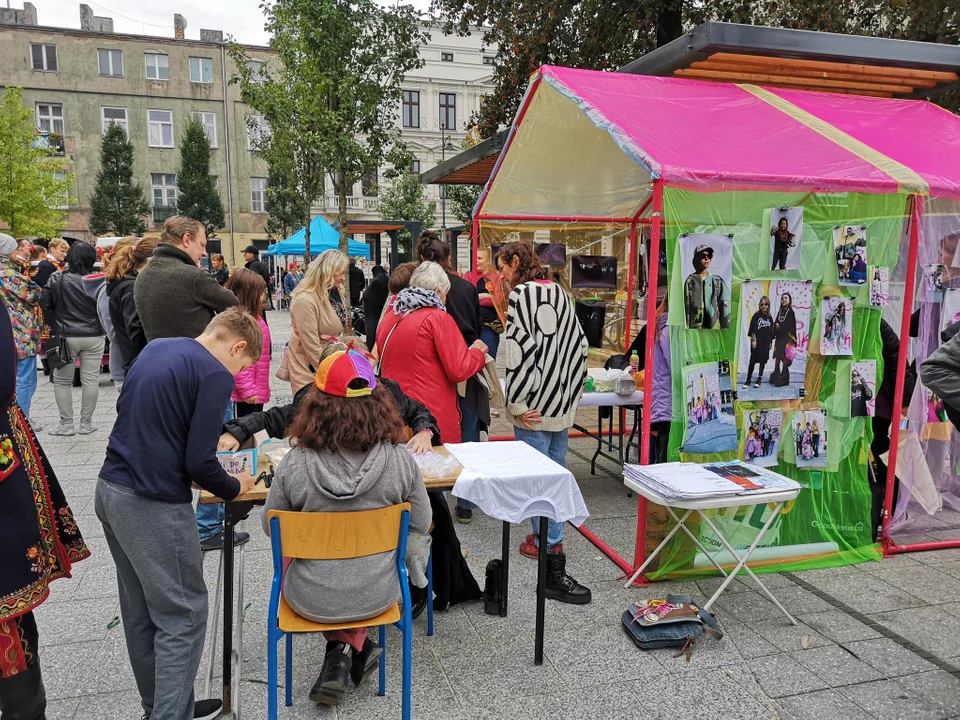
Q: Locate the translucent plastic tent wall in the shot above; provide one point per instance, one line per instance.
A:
(597, 155)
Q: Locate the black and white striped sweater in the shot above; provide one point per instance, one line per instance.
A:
(546, 355)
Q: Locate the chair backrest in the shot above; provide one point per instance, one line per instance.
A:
(338, 535)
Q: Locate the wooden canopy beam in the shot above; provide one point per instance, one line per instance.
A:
(765, 79)
(788, 71)
(887, 70)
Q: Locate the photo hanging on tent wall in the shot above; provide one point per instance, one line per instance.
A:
(850, 249)
(786, 234)
(933, 276)
(763, 431)
(950, 312)
(863, 388)
(880, 286)
(774, 339)
(809, 430)
(706, 290)
(836, 326)
(710, 424)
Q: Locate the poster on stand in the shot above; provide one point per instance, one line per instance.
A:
(786, 234)
(809, 430)
(708, 258)
(935, 410)
(863, 388)
(850, 249)
(708, 393)
(880, 287)
(933, 283)
(774, 336)
(950, 313)
(836, 326)
(763, 430)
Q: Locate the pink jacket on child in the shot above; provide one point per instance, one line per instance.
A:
(255, 380)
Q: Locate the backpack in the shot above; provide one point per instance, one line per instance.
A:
(672, 622)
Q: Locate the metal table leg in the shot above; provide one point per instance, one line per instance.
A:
(505, 562)
(541, 592)
(212, 640)
(228, 548)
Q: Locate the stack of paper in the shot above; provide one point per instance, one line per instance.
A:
(690, 481)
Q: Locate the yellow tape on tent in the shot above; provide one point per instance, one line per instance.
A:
(908, 180)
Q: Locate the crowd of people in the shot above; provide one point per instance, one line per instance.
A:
(190, 353)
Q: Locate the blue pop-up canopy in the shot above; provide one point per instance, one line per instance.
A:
(323, 236)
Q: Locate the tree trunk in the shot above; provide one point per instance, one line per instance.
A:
(306, 240)
(344, 247)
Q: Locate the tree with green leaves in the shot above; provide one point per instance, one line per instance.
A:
(464, 198)
(197, 195)
(30, 190)
(332, 99)
(118, 206)
(284, 205)
(406, 200)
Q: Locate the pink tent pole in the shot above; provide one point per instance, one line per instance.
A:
(475, 232)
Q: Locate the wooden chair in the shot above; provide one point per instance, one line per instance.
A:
(340, 536)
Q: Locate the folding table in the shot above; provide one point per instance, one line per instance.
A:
(778, 499)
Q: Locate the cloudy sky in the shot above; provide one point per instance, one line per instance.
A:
(242, 19)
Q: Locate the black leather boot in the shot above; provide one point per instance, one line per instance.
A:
(561, 586)
(22, 696)
(334, 676)
(365, 662)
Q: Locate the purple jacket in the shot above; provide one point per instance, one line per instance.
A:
(661, 410)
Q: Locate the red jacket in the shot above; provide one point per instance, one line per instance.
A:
(255, 380)
(427, 357)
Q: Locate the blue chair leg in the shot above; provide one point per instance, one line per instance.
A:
(430, 593)
(383, 660)
(272, 640)
(407, 662)
(289, 669)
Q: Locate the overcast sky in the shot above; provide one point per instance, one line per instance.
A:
(243, 19)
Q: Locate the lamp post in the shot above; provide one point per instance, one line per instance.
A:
(443, 189)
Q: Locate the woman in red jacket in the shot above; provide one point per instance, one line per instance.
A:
(422, 349)
(251, 388)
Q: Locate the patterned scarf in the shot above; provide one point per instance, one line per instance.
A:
(414, 298)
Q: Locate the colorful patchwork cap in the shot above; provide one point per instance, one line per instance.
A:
(338, 370)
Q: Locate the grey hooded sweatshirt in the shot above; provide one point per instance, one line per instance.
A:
(333, 591)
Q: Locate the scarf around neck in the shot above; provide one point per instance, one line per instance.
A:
(414, 298)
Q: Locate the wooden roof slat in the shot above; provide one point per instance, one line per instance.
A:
(812, 83)
(888, 70)
(774, 68)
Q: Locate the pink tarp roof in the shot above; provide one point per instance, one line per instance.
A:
(709, 135)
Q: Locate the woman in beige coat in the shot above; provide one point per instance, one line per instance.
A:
(313, 315)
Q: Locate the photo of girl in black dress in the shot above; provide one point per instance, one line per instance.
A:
(784, 335)
(786, 232)
(761, 335)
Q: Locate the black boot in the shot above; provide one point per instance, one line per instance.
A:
(334, 676)
(22, 696)
(365, 662)
(561, 586)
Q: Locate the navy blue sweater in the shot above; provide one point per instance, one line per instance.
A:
(169, 419)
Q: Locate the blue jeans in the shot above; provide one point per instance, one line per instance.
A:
(469, 432)
(554, 446)
(491, 340)
(26, 382)
(210, 517)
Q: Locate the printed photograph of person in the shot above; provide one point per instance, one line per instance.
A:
(950, 312)
(706, 290)
(850, 248)
(786, 234)
(863, 388)
(762, 444)
(880, 287)
(810, 438)
(836, 326)
(711, 426)
(933, 279)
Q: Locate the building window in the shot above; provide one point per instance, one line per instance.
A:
(368, 184)
(201, 70)
(411, 108)
(256, 71)
(111, 115)
(160, 128)
(209, 121)
(489, 60)
(50, 118)
(111, 62)
(44, 57)
(257, 129)
(61, 198)
(258, 194)
(448, 111)
(415, 167)
(446, 56)
(158, 66)
(164, 189)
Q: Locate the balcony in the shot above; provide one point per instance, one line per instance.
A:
(162, 212)
(356, 204)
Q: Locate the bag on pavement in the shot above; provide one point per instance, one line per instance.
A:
(672, 622)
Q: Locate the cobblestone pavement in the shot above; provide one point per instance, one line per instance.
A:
(876, 640)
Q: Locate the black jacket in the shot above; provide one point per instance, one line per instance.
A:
(258, 267)
(373, 301)
(223, 274)
(127, 328)
(357, 283)
(45, 269)
(463, 304)
(276, 420)
(68, 309)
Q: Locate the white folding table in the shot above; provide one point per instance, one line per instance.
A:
(714, 503)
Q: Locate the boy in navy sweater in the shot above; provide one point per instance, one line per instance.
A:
(169, 418)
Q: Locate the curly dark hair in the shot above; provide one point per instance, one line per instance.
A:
(529, 266)
(336, 424)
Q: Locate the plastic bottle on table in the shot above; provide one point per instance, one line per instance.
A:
(634, 362)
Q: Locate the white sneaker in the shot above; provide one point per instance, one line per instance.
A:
(86, 428)
(62, 429)
(36, 425)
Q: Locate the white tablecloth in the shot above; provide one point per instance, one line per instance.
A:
(511, 481)
(600, 399)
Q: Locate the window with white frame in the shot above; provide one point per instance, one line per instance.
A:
(448, 111)
(160, 128)
(256, 70)
(201, 70)
(158, 66)
(164, 187)
(414, 167)
(258, 194)
(446, 56)
(50, 118)
(114, 115)
(209, 121)
(257, 128)
(411, 108)
(44, 57)
(489, 60)
(111, 62)
(62, 198)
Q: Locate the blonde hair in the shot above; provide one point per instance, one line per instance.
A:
(320, 274)
(130, 254)
(236, 324)
(58, 243)
(175, 227)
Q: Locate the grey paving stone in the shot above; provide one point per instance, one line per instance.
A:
(888, 657)
(747, 607)
(930, 627)
(747, 641)
(65, 709)
(822, 705)
(839, 626)
(927, 582)
(835, 666)
(890, 700)
(938, 689)
(600, 654)
(123, 705)
(78, 621)
(708, 696)
(786, 637)
(781, 675)
(867, 593)
(478, 674)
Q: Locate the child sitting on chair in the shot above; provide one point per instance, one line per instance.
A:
(347, 456)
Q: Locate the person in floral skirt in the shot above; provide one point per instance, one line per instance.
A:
(21, 297)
